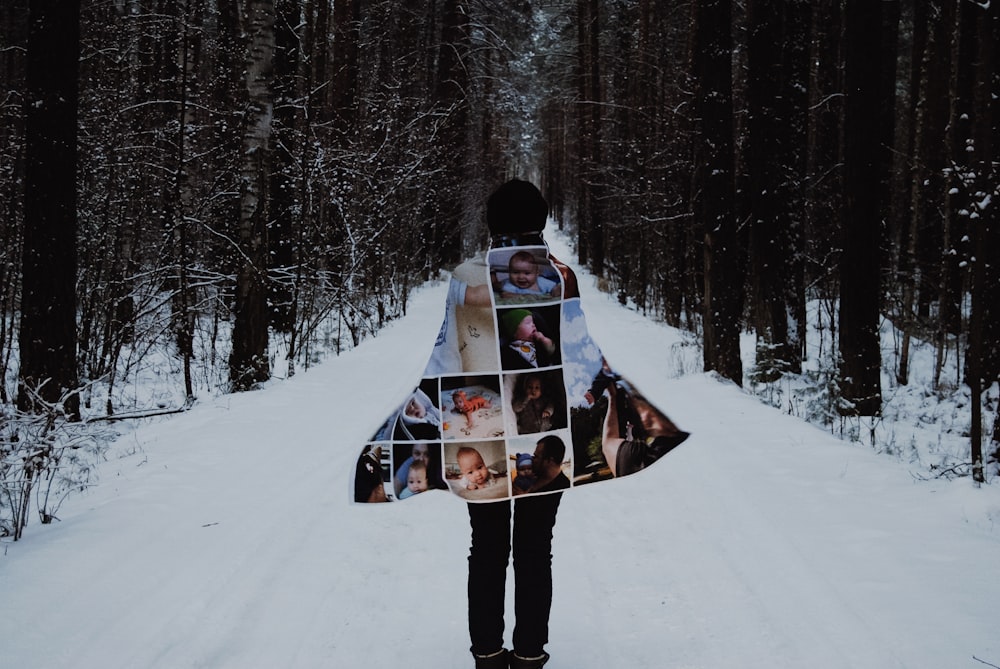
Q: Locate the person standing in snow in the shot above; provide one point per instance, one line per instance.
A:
(515, 213)
(471, 355)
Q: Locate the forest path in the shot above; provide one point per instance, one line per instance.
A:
(226, 539)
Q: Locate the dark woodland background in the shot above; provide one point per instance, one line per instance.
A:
(210, 177)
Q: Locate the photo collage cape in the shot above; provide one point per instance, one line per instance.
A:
(516, 398)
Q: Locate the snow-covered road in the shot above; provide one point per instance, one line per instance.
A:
(223, 538)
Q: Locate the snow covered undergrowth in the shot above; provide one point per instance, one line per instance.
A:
(923, 424)
(223, 538)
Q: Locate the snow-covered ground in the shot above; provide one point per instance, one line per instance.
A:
(223, 538)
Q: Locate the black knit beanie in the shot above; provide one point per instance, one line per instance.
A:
(516, 207)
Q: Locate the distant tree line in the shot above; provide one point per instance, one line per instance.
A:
(238, 172)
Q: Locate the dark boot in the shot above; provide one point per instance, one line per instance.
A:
(518, 662)
(497, 660)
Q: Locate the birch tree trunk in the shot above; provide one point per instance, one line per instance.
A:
(248, 362)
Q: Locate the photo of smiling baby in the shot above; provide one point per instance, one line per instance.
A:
(477, 470)
(523, 276)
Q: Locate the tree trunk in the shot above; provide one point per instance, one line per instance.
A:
(344, 89)
(13, 33)
(957, 195)
(911, 229)
(860, 351)
(823, 165)
(712, 198)
(49, 257)
(987, 170)
(770, 162)
(823, 103)
(907, 49)
(179, 204)
(924, 244)
(984, 328)
(590, 222)
(282, 183)
(443, 234)
(248, 363)
(974, 377)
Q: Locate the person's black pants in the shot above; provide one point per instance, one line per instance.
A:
(534, 518)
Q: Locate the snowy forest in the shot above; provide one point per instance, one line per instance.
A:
(201, 195)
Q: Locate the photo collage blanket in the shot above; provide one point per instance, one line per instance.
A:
(516, 398)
